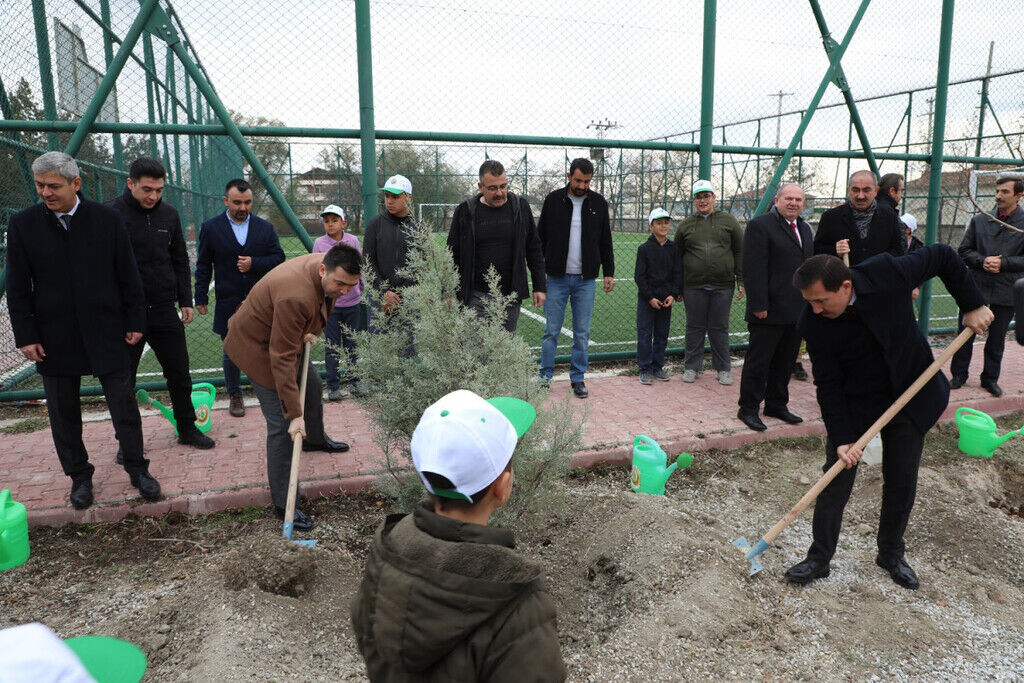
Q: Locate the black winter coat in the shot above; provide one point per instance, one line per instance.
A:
(595, 241)
(986, 237)
(77, 292)
(659, 270)
(886, 234)
(771, 254)
(159, 248)
(385, 248)
(527, 250)
(883, 287)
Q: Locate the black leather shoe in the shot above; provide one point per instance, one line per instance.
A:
(300, 522)
(580, 389)
(119, 459)
(196, 439)
(328, 446)
(81, 494)
(751, 420)
(957, 381)
(990, 387)
(784, 415)
(147, 485)
(900, 571)
(807, 571)
(799, 373)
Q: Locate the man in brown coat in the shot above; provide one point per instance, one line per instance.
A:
(265, 338)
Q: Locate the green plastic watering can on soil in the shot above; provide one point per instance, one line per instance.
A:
(203, 395)
(14, 549)
(978, 436)
(649, 472)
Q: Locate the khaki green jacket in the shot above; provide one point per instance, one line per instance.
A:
(711, 249)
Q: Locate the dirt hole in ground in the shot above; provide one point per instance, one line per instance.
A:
(273, 564)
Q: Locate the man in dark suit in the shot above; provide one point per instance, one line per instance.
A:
(76, 306)
(862, 227)
(774, 246)
(238, 248)
(866, 350)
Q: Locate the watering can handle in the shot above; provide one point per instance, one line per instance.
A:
(5, 498)
(646, 439)
(972, 411)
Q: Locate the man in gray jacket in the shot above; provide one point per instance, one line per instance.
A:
(993, 248)
(385, 247)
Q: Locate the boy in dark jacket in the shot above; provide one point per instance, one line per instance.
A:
(444, 596)
(659, 276)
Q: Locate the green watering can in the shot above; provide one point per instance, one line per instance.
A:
(978, 433)
(649, 471)
(203, 394)
(13, 532)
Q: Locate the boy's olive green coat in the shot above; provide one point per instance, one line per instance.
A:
(711, 249)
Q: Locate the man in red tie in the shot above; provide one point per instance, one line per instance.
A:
(775, 244)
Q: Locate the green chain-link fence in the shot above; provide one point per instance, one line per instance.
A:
(533, 85)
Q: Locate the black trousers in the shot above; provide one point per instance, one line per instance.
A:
(165, 334)
(901, 458)
(994, 345)
(65, 410)
(768, 366)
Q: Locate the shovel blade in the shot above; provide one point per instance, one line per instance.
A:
(752, 554)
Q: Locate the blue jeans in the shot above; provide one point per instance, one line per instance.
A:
(652, 327)
(232, 376)
(579, 293)
(338, 337)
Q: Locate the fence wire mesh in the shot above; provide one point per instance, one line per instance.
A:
(455, 83)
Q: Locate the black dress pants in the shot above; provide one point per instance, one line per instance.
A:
(65, 410)
(995, 342)
(901, 458)
(165, 334)
(768, 366)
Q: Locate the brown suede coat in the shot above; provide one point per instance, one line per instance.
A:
(265, 334)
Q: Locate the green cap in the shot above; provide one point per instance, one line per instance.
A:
(108, 659)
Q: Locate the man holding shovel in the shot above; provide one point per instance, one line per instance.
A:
(866, 350)
(265, 336)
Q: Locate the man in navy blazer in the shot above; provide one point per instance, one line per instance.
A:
(238, 248)
(866, 350)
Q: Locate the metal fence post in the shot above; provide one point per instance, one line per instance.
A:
(45, 70)
(707, 90)
(108, 56)
(367, 140)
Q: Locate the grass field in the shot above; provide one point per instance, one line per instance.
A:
(613, 327)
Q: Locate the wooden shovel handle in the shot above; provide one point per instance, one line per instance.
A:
(293, 477)
(888, 415)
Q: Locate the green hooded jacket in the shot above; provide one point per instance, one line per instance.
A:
(443, 600)
(711, 249)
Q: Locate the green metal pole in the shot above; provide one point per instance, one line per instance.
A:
(938, 140)
(110, 78)
(172, 89)
(367, 132)
(906, 163)
(108, 55)
(707, 90)
(839, 78)
(147, 52)
(45, 70)
(171, 37)
(811, 108)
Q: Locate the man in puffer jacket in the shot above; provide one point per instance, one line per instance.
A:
(444, 596)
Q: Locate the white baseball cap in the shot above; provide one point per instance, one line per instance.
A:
(909, 221)
(397, 184)
(335, 209)
(703, 186)
(656, 214)
(468, 440)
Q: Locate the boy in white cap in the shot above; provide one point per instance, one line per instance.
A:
(444, 596)
(386, 242)
(344, 318)
(659, 277)
(910, 223)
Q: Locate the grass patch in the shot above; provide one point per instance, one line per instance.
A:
(30, 424)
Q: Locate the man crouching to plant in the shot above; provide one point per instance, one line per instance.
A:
(444, 596)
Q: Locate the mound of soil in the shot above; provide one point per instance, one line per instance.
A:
(273, 564)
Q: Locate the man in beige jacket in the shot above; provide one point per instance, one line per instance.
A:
(289, 306)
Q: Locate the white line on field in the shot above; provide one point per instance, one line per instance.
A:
(542, 319)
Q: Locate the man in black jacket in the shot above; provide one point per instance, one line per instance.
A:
(890, 191)
(862, 227)
(495, 228)
(76, 307)
(993, 248)
(866, 350)
(774, 246)
(576, 236)
(159, 247)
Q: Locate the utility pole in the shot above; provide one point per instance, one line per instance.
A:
(778, 116)
(931, 116)
(984, 102)
(597, 153)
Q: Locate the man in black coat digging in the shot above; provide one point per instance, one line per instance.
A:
(866, 350)
(77, 306)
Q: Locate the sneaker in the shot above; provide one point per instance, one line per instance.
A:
(725, 378)
(799, 373)
(689, 376)
(358, 390)
(662, 375)
(236, 407)
(335, 394)
(580, 389)
(645, 377)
